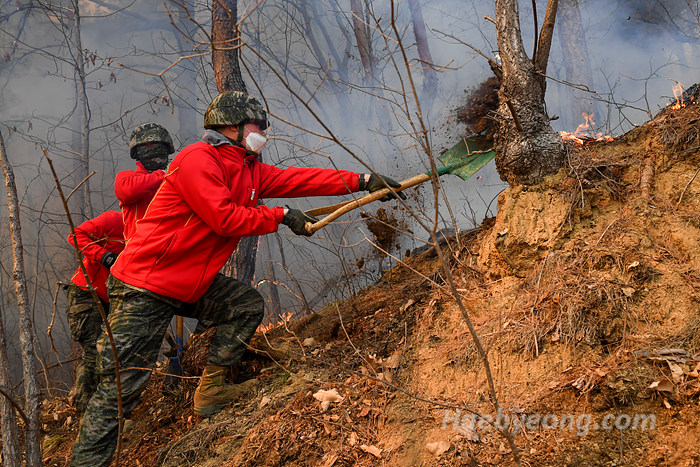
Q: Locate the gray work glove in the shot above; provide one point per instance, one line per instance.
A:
(377, 182)
(108, 259)
(296, 220)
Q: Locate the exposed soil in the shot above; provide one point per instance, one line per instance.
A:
(478, 110)
(584, 291)
(385, 228)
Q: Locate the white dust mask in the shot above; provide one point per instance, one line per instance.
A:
(255, 142)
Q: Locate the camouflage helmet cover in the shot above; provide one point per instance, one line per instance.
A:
(149, 133)
(234, 108)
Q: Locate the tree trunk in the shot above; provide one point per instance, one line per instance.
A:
(84, 112)
(574, 50)
(189, 129)
(364, 41)
(430, 77)
(307, 9)
(225, 50)
(78, 200)
(243, 259)
(283, 263)
(311, 16)
(26, 329)
(275, 310)
(229, 78)
(527, 148)
(10, 439)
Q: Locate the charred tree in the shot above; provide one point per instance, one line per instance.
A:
(26, 327)
(527, 148)
(225, 41)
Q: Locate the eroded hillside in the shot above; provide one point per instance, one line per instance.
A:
(583, 290)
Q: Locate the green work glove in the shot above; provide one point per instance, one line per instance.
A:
(377, 182)
(296, 220)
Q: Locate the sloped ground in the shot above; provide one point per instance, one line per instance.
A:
(583, 290)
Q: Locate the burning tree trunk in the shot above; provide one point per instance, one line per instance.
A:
(26, 329)
(228, 78)
(527, 147)
(10, 439)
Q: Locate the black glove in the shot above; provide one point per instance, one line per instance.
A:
(108, 259)
(376, 182)
(296, 220)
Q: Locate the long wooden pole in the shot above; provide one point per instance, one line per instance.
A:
(356, 203)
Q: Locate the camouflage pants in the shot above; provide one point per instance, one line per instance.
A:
(85, 323)
(138, 320)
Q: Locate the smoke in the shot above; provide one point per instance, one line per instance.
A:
(636, 51)
(302, 59)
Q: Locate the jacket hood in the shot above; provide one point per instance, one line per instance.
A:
(215, 138)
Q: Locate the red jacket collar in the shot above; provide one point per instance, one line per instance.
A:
(237, 152)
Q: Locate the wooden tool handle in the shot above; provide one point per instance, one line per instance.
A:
(327, 209)
(178, 328)
(334, 207)
(366, 199)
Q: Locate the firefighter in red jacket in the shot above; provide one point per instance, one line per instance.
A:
(150, 145)
(207, 202)
(100, 240)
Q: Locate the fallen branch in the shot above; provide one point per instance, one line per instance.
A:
(647, 177)
(17, 407)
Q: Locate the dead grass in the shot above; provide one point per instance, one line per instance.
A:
(680, 130)
(595, 311)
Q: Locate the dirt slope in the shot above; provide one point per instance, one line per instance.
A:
(583, 290)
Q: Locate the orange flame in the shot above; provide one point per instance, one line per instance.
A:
(281, 320)
(678, 91)
(580, 135)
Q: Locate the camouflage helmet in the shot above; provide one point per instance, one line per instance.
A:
(149, 133)
(234, 108)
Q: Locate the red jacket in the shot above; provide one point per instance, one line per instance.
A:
(95, 238)
(134, 190)
(207, 202)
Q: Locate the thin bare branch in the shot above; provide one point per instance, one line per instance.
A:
(103, 314)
